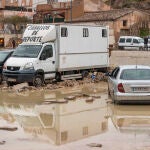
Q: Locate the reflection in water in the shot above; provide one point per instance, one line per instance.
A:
(132, 118)
(55, 122)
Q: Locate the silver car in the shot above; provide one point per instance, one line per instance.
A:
(129, 83)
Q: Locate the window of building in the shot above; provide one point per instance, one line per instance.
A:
(85, 32)
(124, 23)
(64, 32)
(104, 33)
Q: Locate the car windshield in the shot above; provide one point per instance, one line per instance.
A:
(135, 74)
(31, 51)
(3, 56)
(141, 40)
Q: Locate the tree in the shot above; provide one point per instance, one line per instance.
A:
(15, 21)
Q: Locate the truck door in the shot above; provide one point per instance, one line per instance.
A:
(47, 61)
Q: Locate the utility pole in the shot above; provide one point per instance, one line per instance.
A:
(71, 11)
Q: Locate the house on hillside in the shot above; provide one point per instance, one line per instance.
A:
(120, 21)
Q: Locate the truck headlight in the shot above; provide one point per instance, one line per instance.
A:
(28, 66)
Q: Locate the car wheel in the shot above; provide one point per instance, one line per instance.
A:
(38, 80)
(141, 48)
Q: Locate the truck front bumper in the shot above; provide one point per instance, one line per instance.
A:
(19, 76)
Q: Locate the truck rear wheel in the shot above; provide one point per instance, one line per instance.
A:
(38, 80)
(58, 77)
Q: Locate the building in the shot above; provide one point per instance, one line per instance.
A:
(12, 8)
(121, 21)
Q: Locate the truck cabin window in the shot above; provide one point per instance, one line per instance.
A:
(85, 32)
(31, 51)
(64, 32)
(104, 33)
(47, 52)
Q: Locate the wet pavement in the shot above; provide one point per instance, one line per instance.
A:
(71, 118)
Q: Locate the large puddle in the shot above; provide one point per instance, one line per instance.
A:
(71, 118)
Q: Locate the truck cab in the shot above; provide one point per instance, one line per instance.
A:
(36, 63)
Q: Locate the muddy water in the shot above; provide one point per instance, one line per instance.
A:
(77, 118)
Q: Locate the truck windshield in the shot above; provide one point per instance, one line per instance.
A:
(31, 51)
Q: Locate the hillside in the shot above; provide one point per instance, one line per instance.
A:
(139, 4)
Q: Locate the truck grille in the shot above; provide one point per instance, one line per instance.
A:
(13, 68)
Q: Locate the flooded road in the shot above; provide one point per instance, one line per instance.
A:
(77, 118)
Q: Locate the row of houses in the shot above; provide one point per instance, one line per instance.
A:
(94, 12)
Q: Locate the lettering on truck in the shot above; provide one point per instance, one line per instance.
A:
(33, 37)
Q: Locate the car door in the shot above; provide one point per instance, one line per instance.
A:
(112, 81)
(47, 61)
(129, 43)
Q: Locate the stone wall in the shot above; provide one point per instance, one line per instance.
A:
(129, 58)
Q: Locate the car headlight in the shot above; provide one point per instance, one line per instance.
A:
(28, 66)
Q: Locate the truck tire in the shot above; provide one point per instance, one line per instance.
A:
(58, 77)
(10, 83)
(38, 81)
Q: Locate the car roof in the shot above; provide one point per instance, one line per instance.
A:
(130, 37)
(134, 67)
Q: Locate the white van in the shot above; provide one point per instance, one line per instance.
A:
(131, 43)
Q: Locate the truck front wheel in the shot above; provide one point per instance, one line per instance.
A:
(38, 80)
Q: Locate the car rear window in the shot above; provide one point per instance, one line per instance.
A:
(135, 74)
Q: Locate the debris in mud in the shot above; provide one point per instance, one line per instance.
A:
(95, 95)
(9, 128)
(86, 95)
(94, 145)
(109, 101)
(71, 97)
(23, 87)
(55, 101)
(89, 99)
(2, 142)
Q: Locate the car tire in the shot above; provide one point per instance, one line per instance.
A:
(38, 81)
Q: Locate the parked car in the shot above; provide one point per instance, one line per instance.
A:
(131, 43)
(4, 55)
(129, 83)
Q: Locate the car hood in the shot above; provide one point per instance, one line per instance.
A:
(19, 61)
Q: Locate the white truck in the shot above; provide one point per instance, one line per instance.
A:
(62, 51)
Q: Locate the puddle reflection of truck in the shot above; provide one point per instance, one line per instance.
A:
(57, 51)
